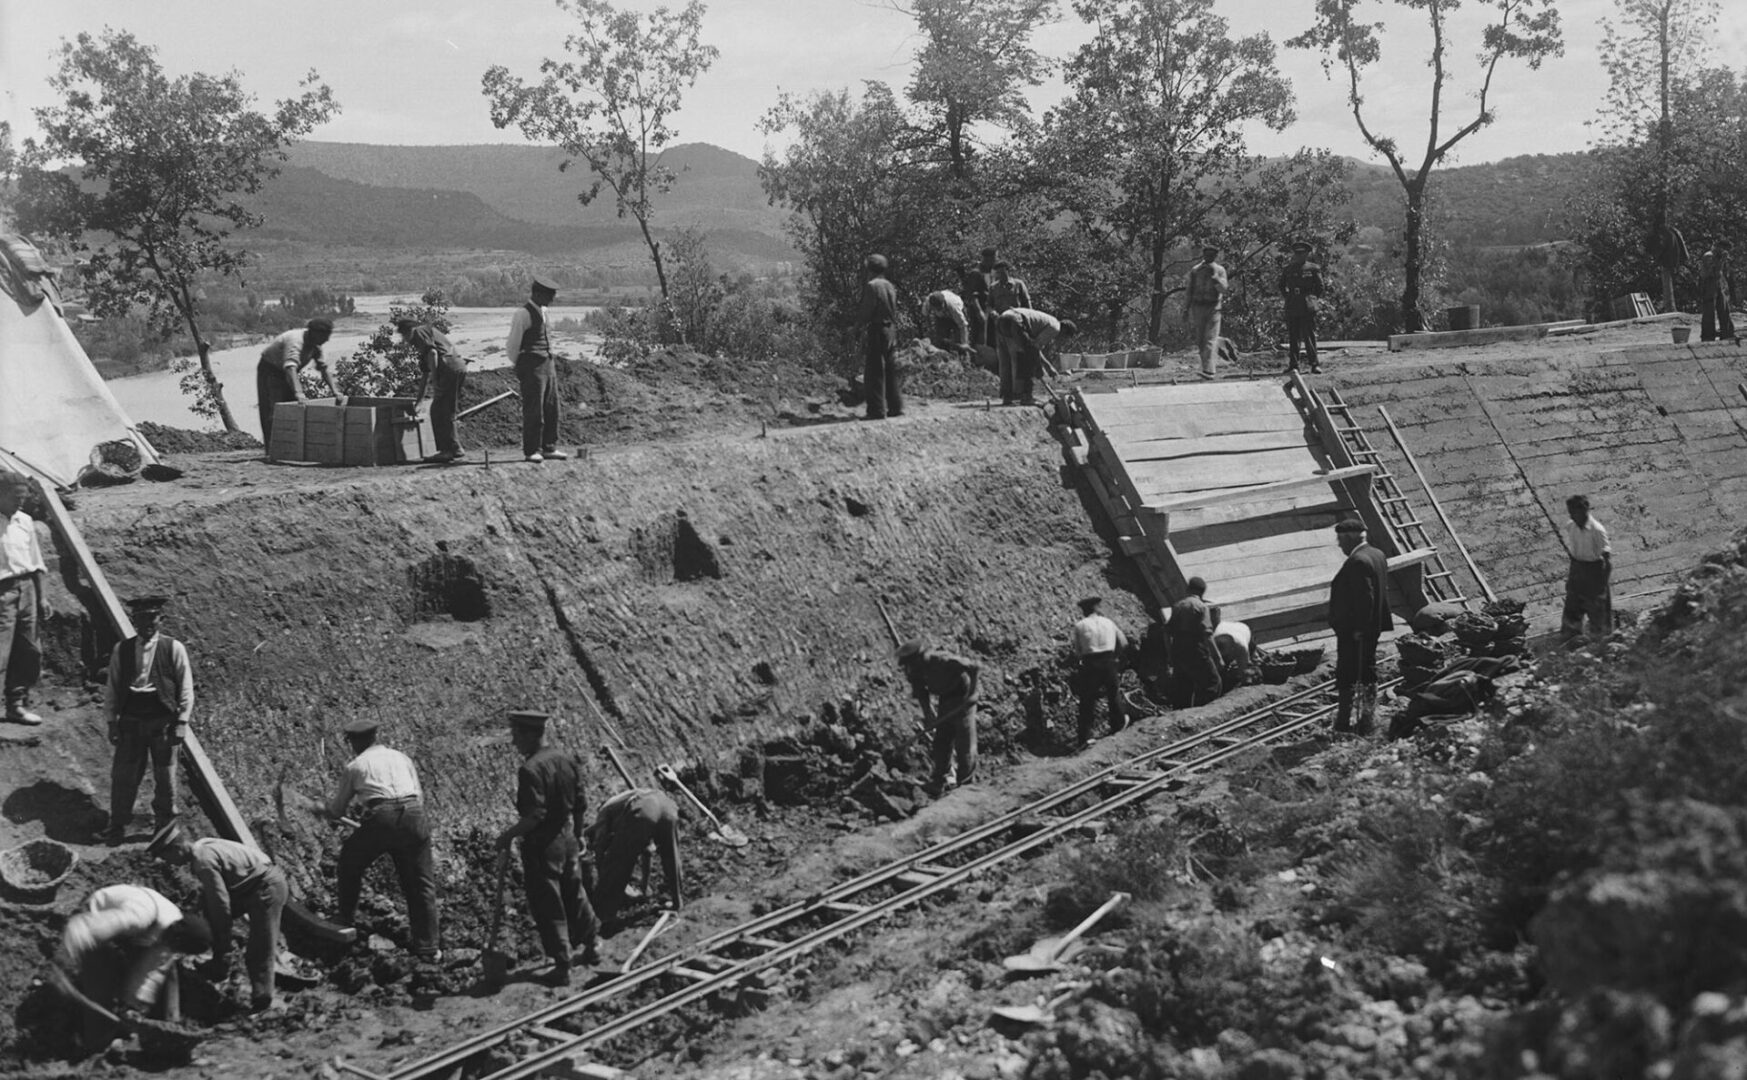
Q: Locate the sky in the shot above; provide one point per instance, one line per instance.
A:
(408, 71)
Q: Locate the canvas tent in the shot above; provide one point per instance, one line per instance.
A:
(54, 408)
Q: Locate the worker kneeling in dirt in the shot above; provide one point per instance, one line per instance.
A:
(121, 954)
(620, 837)
(934, 673)
(234, 878)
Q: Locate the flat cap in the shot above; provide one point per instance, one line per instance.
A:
(405, 323)
(1301, 245)
(361, 726)
(1349, 525)
(909, 649)
(541, 281)
(147, 603)
(529, 719)
(164, 837)
(1090, 602)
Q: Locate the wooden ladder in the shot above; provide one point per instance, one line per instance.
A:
(1409, 532)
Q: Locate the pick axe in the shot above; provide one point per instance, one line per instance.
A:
(892, 629)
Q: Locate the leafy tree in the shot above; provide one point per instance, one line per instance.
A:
(161, 166)
(1526, 30)
(610, 105)
(697, 293)
(1149, 144)
(384, 365)
(973, 67)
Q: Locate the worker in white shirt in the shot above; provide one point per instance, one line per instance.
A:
(149, 701)
(943, 313)
(121, 953)
(391, 822)
(233, 878)
(1098, 646)
(23, 608)
(1588, 592)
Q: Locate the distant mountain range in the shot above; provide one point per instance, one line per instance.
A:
(515, 198)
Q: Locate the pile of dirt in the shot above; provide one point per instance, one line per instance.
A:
(174, 440)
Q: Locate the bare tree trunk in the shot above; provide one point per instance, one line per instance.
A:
(1410, 299)
(213, 386)
(1155, 320)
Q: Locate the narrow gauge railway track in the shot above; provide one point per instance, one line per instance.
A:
(732, 956)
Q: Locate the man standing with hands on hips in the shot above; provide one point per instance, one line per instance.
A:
(530, 347)
(149, 701)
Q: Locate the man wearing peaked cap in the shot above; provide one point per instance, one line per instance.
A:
(443, 374)
(149, 703)
(530, 350)
(1204, 292)
(1358, 613)
(234, 879)
(937, 674)
(1098, 645)
(878, 314)
(550, 808)
(1300, 284)
(391, 822)
(1195, 665)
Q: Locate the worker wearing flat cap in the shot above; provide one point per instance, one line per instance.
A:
(392, 822)
(1098, 645)
(1358, 613)
(1021, 336)
(1195, 662)
(1300, 284)
(530, 348)
(627, 825)
(149, 702)
(1204, 292)
(235, 879)
(442, 373)
(945, 685)
(878, 316)
(550, 805)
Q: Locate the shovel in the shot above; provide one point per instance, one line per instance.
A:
(667, 919)
(1047, 955)
(726, 834)
(1038, 1014)
(496, 965)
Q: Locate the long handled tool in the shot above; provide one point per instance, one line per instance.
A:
(624, 773)
(486, 404)
(496, 965)
(1040, 1014)
(668, 918)
(892, 630)
(726, 834)
(1047, 955)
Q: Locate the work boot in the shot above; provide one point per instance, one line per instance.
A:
(1344, 712)
(559, 975)
(1367, 708)
(591, 955)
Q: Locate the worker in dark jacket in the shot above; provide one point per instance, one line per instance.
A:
(620, 837)
(878, 315)
(1300, 284)
(1195, 661)
(973, 286)
(149, 700)
(1021, 336)
(443, 373)
(945, 686)
(1715, 294)
(551, 806)
(1007, 292)
(234, 879)
(1358, 613)
(529, 347)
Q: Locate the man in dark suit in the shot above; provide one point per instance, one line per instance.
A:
(1358, 613)
(878, 315)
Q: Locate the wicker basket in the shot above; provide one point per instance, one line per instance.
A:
(1307, 660)
(1276, 669)
(33, 871)
(1498, 609)
(1475, 630)
(1419, 650)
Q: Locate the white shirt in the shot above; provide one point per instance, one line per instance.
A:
(377, 773)
(132, 914)
(115, 695)
(1096, 634)
(1588, 542)
(18, 547)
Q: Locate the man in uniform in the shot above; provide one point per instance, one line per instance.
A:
(1021, 334)
(234, 879)
(391, 822)
(121, 953)
(878, 315)
(944, 313)
(1007, 293)
(443, 373)
(1300, 283)
(149, 702)
(1195, 661)
(23, 606)
(530, 346)
(620, 837)
(550, 805)
(1204, 292)
(937, 674)
(1588, 592)
(1358, 613)
(277, 374)
(1715, 294)
(1098, 645)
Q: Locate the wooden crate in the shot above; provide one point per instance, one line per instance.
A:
(364, 431)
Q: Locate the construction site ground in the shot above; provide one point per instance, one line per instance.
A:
(697, 587)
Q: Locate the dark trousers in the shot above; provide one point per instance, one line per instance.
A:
(20, 655)
(655, 822)
(399, 830)
(953, 747)
(1017, 361)
(1355, 658)
(1195, 671)
(552, 874)
(1714, 318)
(271, 387)
(448, 379)
(105, 974)
(880, 375)
(142, 739)
(539, 389)
(1588, 594)
(263, 903)
(1098, 679)
(978, 321)
(1301, 336)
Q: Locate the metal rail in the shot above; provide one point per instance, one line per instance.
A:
(706, 969)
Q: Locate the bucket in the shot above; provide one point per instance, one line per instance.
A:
(33, 872)
(1681, 333)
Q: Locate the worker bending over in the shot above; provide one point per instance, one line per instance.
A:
(939, 676)
(620, 836)
(234, 879)
(121, 954)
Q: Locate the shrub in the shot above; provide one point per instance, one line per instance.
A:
(384, 365)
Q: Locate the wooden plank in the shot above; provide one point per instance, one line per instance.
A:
(1451, 339)
(1314, 555)
(1190, 536)
(1156, 480)
(1188, 424)
(1196, 393)
(1259, 492)
(1310, 532)
(1240, 443)
(1312, 500)
(1311, 566)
